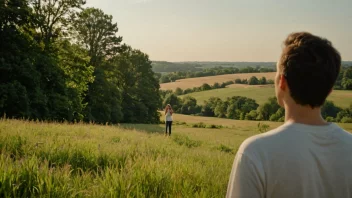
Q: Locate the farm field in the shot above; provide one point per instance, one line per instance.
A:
(196, 82)
(341, 98)
(85, 160)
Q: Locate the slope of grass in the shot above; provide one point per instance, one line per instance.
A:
(261, 94)
(65, 160)
(61, 160)
(197, 82)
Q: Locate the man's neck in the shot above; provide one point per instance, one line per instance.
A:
(303, 115)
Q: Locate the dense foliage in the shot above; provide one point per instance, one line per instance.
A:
(60, 61)
(344, 80)
(243, 108)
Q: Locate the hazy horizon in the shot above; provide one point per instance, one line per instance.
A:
(226, 30)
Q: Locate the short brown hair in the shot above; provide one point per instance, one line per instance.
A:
(311, 66)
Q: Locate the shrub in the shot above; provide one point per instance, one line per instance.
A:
(187, 91)
(262, 81)
(214, 126)
(270, 81)
(178, 91)
(330, 119)
(238, 81)
(216, 86)
(252, 115)
(199, 125)
(253, 81)
(346, 120)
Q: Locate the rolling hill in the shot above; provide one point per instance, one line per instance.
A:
(196, 82)
(341, 98)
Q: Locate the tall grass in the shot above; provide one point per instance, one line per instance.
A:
(61, 160)
(40, 159)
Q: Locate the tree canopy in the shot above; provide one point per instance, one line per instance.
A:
(60, 61)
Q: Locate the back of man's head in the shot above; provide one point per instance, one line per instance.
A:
(311, 66)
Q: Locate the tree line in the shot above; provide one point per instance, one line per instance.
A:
(243, 108)
(254, 81)
(60, 61)
(173, 76)
(344, 80)
(163, 66)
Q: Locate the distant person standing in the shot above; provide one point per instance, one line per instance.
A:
(168, 118)
(306, 157)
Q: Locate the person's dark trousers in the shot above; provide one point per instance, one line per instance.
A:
(168, 125)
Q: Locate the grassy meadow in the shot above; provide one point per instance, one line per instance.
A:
(39, 159)
(197, 82)
(342, 98)
(65, 160)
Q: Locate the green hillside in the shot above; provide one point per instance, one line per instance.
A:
(41, 159)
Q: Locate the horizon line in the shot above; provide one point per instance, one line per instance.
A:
(223, 61)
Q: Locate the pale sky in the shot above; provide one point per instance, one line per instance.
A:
(226, 30)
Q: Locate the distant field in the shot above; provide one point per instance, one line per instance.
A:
(261, 94)
(196, 82)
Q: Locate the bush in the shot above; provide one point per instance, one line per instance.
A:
(252, 115)
(214, 126)
(253, 81)
(216, 86)
(330, 119)
(229, 82)
(270, 81)
(329, 109)
(199, 125)
(346, 120)
(205, 87)
(178, 91)
(262, 81)
(187, 91)
(238, 81)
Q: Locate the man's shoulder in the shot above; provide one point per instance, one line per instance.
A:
(285, 136)
(262, 140)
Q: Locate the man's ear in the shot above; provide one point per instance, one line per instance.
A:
(283, 82)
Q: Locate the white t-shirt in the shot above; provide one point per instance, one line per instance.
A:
(168, 116)
(294, 160)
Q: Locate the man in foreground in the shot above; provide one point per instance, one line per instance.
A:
(306, 157)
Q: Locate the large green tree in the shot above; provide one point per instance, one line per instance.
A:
(19, 79)
(98, 34)
(52, 17)
(347, 79)
(141, 98)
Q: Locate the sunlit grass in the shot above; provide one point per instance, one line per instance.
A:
(65, 160)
